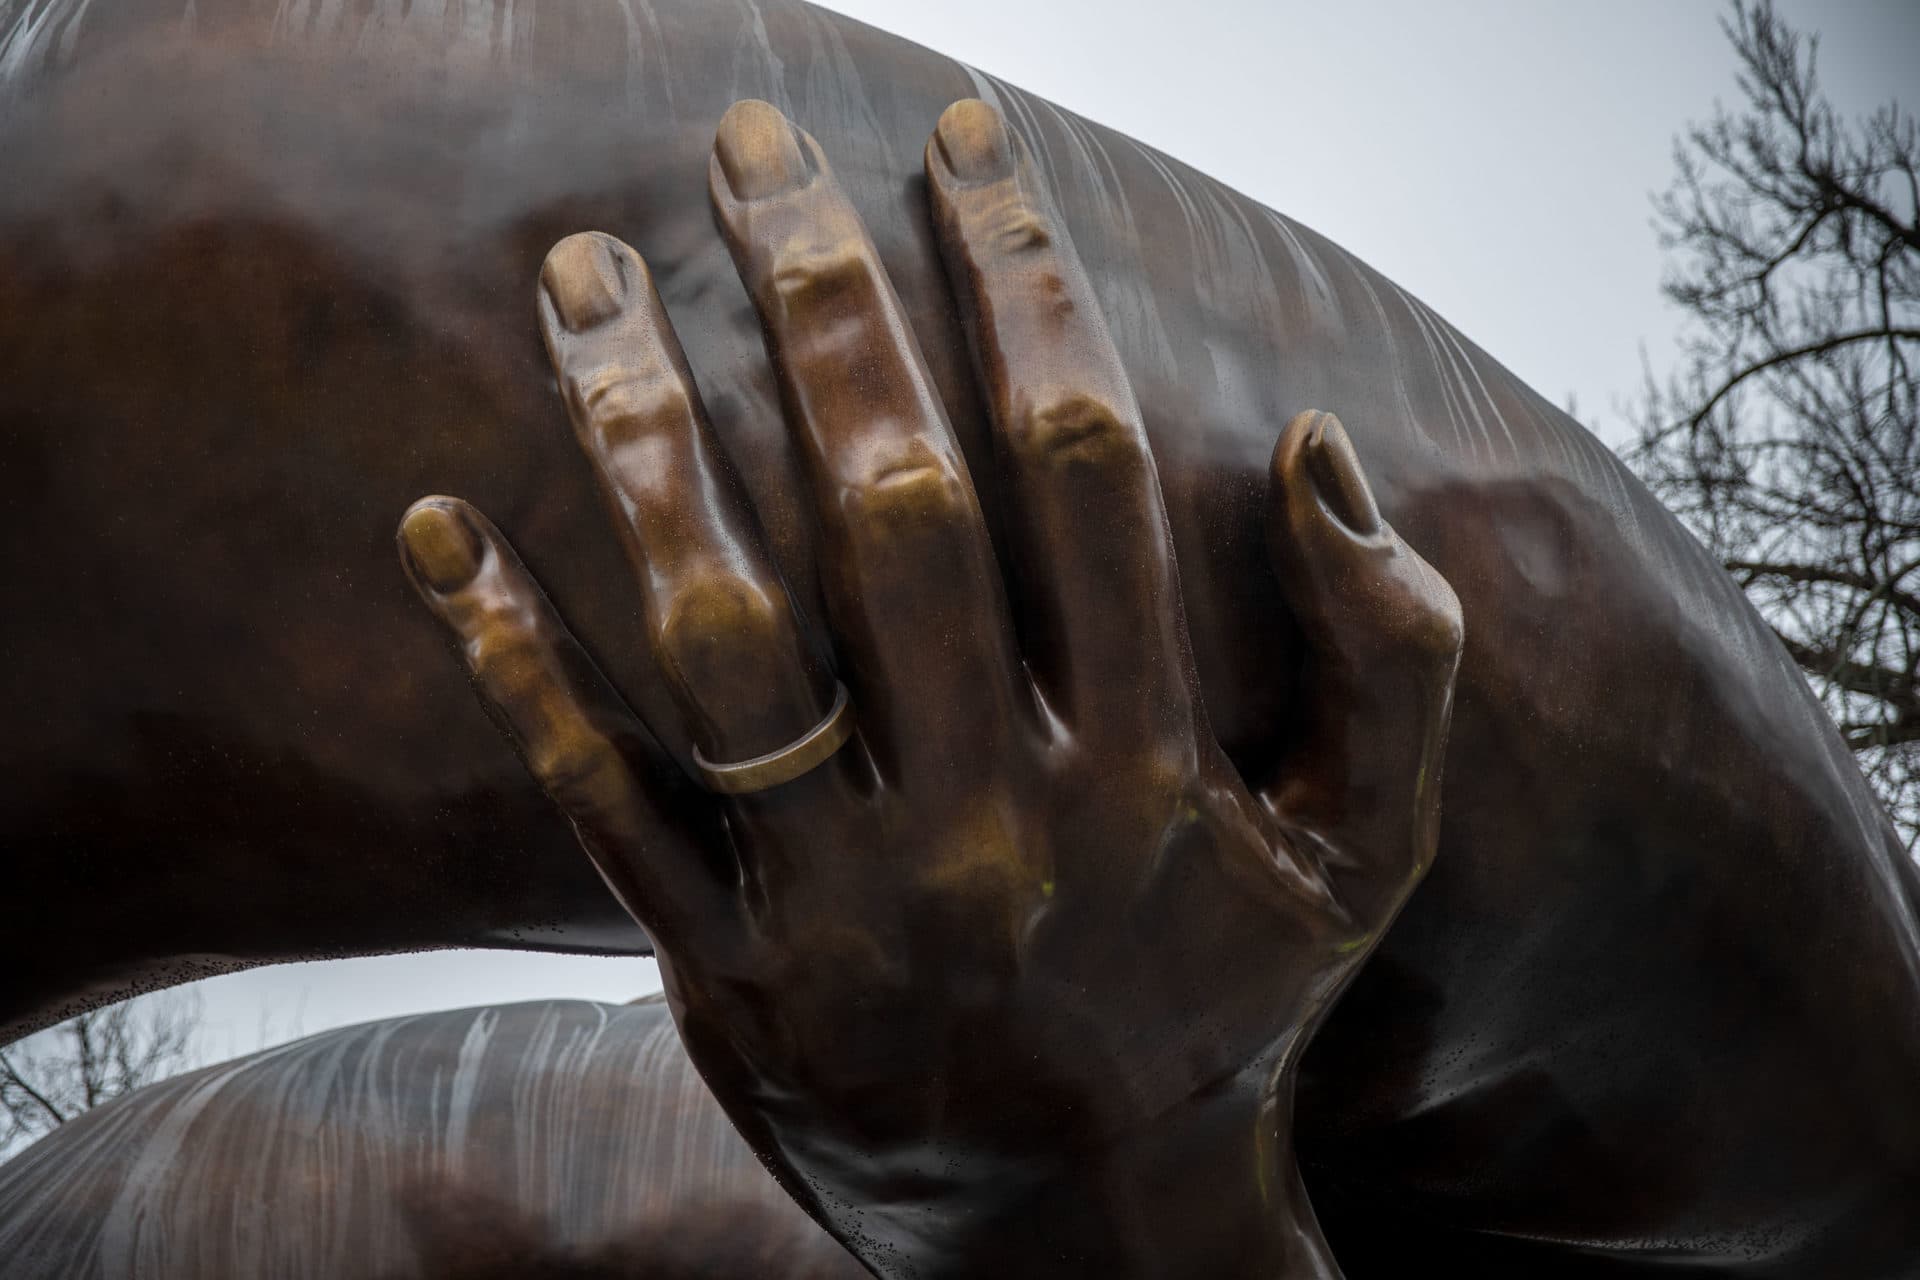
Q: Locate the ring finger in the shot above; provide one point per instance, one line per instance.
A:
(718, 618)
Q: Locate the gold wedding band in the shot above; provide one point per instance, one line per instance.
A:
(799, 756)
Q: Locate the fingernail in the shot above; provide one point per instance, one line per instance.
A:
(758, 151)
(445, 549)
(1335, 470)
(974, 141)
(584, 281)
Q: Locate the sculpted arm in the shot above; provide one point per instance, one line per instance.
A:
(251, 283)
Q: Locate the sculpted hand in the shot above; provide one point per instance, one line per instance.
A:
(1014, 981)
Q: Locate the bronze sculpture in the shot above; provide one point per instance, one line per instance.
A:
(958, 977)
(468, 1145)
(1560, 1042)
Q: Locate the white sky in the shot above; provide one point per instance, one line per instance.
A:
(1495, 158)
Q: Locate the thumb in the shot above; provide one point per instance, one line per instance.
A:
(1359, 784)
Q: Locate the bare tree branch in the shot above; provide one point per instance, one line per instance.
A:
(1836, 574)
(1776, 358)
(15, 1080)
(1884, 683)
(51, 1077)
(1787, 435)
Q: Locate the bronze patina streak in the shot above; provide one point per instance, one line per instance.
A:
(548, 1139)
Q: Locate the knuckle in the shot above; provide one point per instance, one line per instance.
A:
(507, 658)
(511, 649)
(497, 634)
(1053, 296)
(1010, 225)
(837, 276)
(719, 610)
(1165, 772)
(1418, 612)
(902, 490)
(573, 762)
(622, 404)
(1077, 429)
(1441, 630)
(577, 766)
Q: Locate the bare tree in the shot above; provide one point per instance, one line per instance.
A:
(1787, 438)
(49, 1078)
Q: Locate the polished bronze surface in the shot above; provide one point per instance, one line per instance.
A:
(262, 276)
(961, 986)
(552, 1140)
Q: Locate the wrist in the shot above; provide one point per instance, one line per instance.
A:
(1208, 1190)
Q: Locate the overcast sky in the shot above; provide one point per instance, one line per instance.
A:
(1495, 158)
